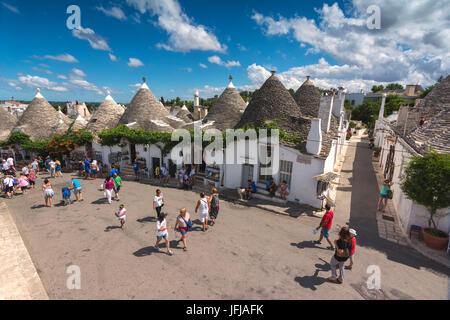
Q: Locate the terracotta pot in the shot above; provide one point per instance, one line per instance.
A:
(433, 241)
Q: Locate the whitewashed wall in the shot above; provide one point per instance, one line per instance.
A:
(408, 212)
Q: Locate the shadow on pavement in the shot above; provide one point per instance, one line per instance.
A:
(308, 244)
(312, 282)
(146, 219)
(39, 206)
(363, 213)
(100, 201)
(108, 229)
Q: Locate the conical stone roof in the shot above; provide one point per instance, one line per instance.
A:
(7, 122)
(271, 102)
(227, 111)
(143, 109)
(308, 99)
(40, 121)
(106, 116)
(185, 115)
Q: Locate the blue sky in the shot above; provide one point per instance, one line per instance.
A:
(181, 46)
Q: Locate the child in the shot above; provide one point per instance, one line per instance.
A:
(353, 249)
(32, 178)
(122, 216)
(162, 233)
(66, 195)
(325, 224)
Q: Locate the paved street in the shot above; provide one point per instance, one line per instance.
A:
(249, 254)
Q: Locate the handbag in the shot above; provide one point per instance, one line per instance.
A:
(188, 223)
(390, 194)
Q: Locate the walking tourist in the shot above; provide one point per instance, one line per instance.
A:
(77, 189)
(23, 183)
(183, 224)
(35, 166)
(214, 206)
(325, 224)
(94, 169)
(10, 162)
(353, 250)
(162, 233)
(48, 193)
(58, 168)
(122, 215)
(192, 174)
(342, 253)
(158, 203)
(32, 178)
(384, 195)
(108, 186)
(117, 184)
(136, 168)
(9, 186)
(5, 167)
(87, 168)
(203, 208)
(52, 166)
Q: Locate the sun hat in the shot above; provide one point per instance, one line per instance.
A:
(352, 231)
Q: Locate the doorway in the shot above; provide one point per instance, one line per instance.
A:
(247, 174)
(132, 152)
(156, 162)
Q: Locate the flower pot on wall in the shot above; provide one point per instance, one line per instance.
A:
(434, 238)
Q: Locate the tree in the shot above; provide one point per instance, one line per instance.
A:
(394, 86)
(291, 91)
(377, 88)
(347, 105)
(367, 112)
(393, 103)
(427, 182)
(427, 91)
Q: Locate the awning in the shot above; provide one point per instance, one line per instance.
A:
(327, 177)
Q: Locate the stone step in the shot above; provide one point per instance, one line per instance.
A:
(269, 198)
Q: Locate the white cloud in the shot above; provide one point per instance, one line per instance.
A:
(83, 84)
(11, 8)
(184, 34)
(42, 70)
(137, 85)
(62, 57)
(204, 66)
(97, 42)
(61, 76)
(38, 82)
(78, 72)
(217, 60)
(134, 63)
(114, 12)
(412, 45)
(112, 57)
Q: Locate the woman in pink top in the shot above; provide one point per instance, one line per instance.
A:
(23, 183)
(108, 186)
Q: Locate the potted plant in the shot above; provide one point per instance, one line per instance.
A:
(376, 151)
(426, 181)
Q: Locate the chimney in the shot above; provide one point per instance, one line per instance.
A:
(383, 102)
(196, 99)
(314, 142)
(325, 109)
(338, 103)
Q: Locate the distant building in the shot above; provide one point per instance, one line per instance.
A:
(75, 109)
(14, 107)
(411, 92)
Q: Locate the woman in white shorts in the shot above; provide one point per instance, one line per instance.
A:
(122, 215)
(48, 193)
(203, 208)
(162, 232)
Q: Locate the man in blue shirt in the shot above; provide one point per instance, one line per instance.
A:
(136, 168)
(250, 190)
(76, 187)
(113, 171)
(87, 168)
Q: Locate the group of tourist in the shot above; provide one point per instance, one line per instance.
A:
(207, 208)
(344, 246)
(15, 181)
(186, 177)
(248, 192)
